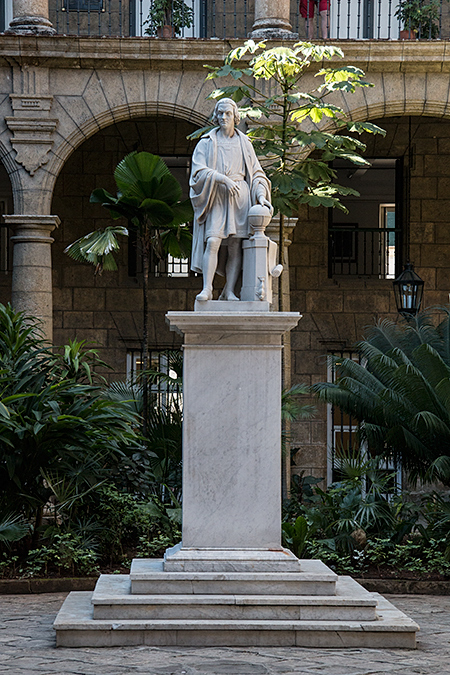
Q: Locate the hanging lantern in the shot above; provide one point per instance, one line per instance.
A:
(408, 291)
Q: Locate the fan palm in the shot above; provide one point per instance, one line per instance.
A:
(400, 393)
(149, 197)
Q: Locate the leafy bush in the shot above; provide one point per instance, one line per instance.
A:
(356, 528)
(400, 392)
(59, 436)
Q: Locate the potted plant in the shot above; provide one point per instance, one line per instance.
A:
(167, 17)
(419, 18)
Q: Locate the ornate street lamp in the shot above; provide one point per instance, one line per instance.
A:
(408, 291)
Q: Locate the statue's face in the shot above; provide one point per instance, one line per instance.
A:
(225, 116)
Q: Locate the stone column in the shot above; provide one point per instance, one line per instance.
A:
(272, 21)
(30, 17)
(32, 267)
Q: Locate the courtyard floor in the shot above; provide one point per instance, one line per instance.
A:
(27, 646)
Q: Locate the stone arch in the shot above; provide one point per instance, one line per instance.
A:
(400, 94)
(7, 158)
(109, 117)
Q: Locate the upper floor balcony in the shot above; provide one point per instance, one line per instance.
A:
(233, 19)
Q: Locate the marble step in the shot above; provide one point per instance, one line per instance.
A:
(76, 627)
(112, 600)
(149, 577)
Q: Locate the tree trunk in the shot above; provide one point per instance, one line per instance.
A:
(146, 270)
(280, 260)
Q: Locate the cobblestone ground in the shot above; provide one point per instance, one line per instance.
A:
(27, 646)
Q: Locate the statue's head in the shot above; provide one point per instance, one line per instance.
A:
(226, 102)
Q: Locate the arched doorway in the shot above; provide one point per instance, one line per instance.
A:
(108, 309)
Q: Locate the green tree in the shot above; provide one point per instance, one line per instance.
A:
(284, 121)
(400, 392)
(149, 197)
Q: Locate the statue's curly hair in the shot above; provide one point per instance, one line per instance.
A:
(230, 101)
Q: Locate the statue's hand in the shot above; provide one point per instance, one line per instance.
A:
(232, 187)
(265, 202)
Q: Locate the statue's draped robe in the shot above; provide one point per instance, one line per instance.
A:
(216, 212)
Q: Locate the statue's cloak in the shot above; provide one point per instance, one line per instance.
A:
(203, 185)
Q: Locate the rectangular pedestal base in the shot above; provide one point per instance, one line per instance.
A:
(179, 559)
(76, 627)
(312, 608)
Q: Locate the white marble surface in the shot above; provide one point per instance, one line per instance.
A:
(232, 428)
(228, 306)
(76, 627)
(112, 599)
(180, 559)
(149, 577)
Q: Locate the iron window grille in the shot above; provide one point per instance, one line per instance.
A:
(343, 437)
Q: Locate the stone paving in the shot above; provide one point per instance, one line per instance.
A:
(27, 646)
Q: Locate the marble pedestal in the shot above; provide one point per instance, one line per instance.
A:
(232, 440)
(231, 583)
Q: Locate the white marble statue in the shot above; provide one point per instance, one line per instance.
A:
(226, 180)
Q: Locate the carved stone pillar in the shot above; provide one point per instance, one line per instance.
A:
(272, 21)
(32, 267)
(30, 17)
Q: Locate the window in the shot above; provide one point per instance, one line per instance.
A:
(6, 14)
(142, 9)
(367, 240)
(166, 389)
(342, 436)
(367, 19)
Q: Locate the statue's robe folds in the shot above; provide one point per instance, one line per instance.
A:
(216, 212)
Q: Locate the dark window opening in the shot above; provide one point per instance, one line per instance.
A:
(366, 241)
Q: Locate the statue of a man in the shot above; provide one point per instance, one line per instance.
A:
(226, 180)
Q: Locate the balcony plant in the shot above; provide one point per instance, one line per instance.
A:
(168, 17)
(420, 18)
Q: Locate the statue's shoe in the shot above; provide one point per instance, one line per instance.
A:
(204, 295)
(228, 296)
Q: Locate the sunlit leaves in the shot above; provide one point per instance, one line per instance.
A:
(286, 122)
(368, 127)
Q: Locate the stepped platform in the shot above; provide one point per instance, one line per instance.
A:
(310, 608)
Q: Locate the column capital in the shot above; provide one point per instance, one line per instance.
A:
(32, 228)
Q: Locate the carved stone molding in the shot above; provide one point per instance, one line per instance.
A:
(32, 129)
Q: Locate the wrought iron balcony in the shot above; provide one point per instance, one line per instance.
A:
(228, 19)
(368, 251)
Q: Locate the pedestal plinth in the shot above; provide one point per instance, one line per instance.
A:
(232, 440)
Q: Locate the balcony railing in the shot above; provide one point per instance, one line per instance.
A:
(371, 251)
(227, 19)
